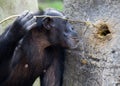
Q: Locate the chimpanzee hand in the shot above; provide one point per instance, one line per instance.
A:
(23, 24)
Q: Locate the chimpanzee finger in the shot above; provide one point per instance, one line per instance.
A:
(23, 14)
(27, 18)
(29, 23)
(18, 20)
(31, 26)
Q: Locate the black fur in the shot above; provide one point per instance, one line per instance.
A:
(9, 40)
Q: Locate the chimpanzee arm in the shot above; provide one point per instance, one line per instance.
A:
(20, 73)
(53, 76)
(10, 38)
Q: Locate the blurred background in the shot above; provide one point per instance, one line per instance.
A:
(11, 7)
(57, 4)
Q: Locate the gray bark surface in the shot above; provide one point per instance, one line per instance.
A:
(96, 62)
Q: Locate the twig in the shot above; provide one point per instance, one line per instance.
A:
(78, 21)
(8, 18)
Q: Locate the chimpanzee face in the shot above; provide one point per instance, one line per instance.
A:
(60, 31)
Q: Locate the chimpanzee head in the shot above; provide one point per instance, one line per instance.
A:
(59, 30)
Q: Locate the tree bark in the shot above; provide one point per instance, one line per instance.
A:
(96, 62)
(12, 7)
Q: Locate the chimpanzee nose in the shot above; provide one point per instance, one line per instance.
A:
(74, 35)
(77, 40)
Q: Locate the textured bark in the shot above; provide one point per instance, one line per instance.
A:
(97, 60)
(12, 7)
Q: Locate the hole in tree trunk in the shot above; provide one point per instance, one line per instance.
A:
(103, 29)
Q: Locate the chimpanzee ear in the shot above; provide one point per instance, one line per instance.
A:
(47, 23)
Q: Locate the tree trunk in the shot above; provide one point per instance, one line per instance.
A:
(96, 62)
(12, 7)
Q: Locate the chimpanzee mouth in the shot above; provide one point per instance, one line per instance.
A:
(73, 43)
(75, 46)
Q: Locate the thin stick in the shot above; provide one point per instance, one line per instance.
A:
(78, 21)
(8, 18)
(14, 16)
(50, 16)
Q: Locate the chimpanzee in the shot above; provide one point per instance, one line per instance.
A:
(41, 52)
(10, 38)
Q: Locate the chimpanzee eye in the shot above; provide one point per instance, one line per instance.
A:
(72, 28)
